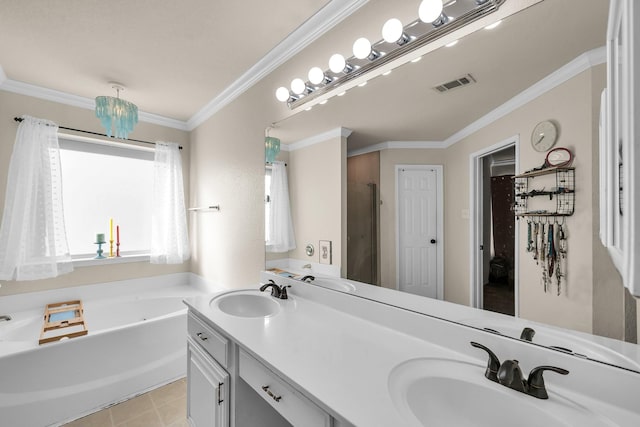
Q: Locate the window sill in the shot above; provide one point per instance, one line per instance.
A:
(124, 259)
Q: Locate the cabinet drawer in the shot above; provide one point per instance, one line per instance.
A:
(214, 343)
(292, 405)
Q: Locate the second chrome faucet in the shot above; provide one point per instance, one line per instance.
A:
(509, 374)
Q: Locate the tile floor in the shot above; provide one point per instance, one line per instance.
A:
(162, 407)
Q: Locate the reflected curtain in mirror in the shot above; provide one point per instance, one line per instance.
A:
(281, 234)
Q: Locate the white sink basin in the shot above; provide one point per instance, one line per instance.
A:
(246, 304)
(335, 284)
(438, 392)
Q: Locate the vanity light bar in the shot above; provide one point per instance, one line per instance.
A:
(455, 15)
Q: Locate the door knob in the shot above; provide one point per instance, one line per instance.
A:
(433, 241)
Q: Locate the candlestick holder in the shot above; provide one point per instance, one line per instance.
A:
(118, 248)
(111, 248)
(99, 251)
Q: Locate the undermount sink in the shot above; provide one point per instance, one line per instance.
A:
(433, 392)
(246, 304)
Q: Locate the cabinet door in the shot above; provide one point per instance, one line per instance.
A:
(620, 170)
(207, 390)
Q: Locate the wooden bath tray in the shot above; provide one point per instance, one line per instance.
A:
(66, 317)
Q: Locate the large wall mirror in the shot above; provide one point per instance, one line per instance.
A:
(360, 164)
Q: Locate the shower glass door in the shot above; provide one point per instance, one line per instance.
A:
(362, 232)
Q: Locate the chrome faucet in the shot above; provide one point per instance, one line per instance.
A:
(510, 375)
(308, 278)
(5, 318)
(279, 292)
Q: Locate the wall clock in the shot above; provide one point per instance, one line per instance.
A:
(544, 136)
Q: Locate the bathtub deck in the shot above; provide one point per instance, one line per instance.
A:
(162, 407)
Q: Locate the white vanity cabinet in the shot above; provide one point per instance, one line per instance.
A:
(293, 406)
(208, 383)
(208, 389)
(228, 387)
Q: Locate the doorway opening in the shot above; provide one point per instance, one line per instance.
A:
(493, 229)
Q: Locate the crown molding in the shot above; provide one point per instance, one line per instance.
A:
(40, 92)
(340, 132)
(561, 75)
(328, 17)
(393, 145)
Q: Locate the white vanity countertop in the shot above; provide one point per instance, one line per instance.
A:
(340, 360)
(612, 351)
(336, 349)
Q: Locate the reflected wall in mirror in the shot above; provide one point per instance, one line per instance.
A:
(546, 62)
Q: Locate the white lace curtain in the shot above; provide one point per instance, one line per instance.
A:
(169, 233)
(281, 235)
(33, 240)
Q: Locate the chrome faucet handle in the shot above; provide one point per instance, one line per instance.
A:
(308, 278)
(527, 334)
(510, 375)
(536, 380)
(493, 364)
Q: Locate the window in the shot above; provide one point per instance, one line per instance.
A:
(101, 181)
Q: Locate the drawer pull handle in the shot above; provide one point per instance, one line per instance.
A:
(199, 335)
(271, 395)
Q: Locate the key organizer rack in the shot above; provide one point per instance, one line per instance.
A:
(549, 198)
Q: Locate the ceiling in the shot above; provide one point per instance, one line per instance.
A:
(172, 56)
(176, 57)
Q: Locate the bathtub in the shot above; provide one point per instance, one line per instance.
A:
(136, 342)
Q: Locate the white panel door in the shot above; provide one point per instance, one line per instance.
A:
(417, 231)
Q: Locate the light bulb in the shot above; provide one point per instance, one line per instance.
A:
(453, 43)
(430, 10)
(324, 101)
(282, 94)
(298, 86)
(337, 63)
(316, 75)
(392, 30)
(362, 48)
(363, 84)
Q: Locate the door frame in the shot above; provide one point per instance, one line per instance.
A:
(439, 225)
(476, 220)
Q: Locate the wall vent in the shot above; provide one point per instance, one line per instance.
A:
(453, 84)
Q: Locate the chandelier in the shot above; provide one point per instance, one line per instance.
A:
(116, 115)
(271, 148)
